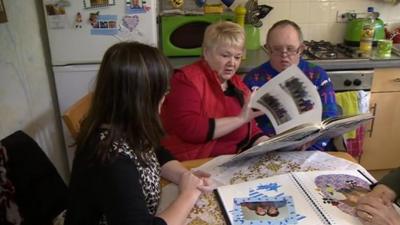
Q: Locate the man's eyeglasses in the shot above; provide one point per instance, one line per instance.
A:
(278, 50)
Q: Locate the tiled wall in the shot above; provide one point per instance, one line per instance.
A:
(317, 18)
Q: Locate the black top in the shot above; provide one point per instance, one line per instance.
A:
(392, 180)
(112, 191)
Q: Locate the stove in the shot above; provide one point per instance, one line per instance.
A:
(324, 50)
(343, 80)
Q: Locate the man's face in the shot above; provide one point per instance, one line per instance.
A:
(284, 47)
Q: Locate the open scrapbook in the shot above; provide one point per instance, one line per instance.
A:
(293, 105)
(314, 197)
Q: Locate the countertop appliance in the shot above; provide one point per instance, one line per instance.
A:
(355, 25)
(79, 32)
(182, 35)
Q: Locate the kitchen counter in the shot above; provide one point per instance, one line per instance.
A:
(257, 57)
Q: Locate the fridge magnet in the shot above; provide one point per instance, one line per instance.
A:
(105, 25)
(56, 17)
(129, 30)
(89, 4)
(93, 18)
(176, 3)
(78, 20)
(3, 16)
(130, 22)
(136, 6)
(200, 3)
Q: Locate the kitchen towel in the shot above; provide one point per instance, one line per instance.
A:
(348, 101)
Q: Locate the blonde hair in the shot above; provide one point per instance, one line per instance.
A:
(223, 32)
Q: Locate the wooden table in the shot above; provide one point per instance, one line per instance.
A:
(198, 162)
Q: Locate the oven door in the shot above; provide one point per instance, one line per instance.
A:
(352, 90)
(351, 80)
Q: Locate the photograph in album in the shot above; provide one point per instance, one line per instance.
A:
(312, 197)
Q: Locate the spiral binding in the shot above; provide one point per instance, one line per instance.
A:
(324, 216)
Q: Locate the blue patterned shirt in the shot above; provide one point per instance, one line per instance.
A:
(263, 73)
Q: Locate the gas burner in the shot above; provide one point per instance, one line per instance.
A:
(322, 50)
(326, 55)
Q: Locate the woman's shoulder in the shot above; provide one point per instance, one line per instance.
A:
(194, 74)
(195, 69)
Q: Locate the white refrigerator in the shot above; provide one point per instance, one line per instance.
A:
(79, 32)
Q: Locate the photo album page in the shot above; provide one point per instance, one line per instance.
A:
(314, 197)
(289, 99)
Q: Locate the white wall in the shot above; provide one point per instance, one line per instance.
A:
(26, 96)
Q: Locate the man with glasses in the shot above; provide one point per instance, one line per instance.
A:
(284, 45)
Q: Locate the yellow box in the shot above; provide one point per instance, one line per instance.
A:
(213, 8)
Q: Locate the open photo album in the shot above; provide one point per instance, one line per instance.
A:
(314, 197)
(293, 105)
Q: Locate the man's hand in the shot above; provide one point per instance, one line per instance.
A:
(373, 210)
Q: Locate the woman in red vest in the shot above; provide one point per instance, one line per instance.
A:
(206, 114)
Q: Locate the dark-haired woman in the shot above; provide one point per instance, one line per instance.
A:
(118, 163)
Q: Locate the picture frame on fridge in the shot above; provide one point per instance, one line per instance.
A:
(89, 4)
(3, 15)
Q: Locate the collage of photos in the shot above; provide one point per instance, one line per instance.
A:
(104, 25)
(275, 107)
(297, 90)
(341, 190)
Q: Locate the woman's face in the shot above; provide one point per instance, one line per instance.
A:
(260, 211)
(224, 59)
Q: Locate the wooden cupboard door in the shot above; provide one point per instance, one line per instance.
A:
(386, 80)
(382, 148)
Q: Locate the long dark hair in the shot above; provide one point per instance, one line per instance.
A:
(132, 80)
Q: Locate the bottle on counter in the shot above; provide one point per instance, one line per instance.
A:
(367, 32)
(240, 13)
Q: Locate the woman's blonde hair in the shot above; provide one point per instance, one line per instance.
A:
(223, 32)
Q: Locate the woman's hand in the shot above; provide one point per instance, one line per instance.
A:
(208, 184)
(189, 184)
(373, 210)
(226, 125)
(247, 112)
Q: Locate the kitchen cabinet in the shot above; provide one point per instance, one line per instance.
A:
(382, 141)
